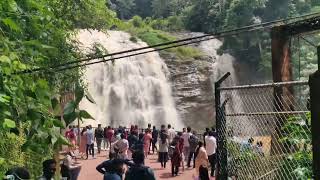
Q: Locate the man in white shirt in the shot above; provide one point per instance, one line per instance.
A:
(211, 146)
(186, 145)
(171, 133)
(90, 141)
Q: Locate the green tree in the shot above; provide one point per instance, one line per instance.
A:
(205, 16)
(160, 8)
(125, 8)
(38, 33)
(143, 8)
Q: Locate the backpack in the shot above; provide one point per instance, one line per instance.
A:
(171, 151)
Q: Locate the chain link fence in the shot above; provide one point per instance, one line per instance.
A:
(264, 131)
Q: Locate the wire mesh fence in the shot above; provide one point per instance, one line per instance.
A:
(265, 131)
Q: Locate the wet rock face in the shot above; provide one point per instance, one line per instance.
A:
(192, 89)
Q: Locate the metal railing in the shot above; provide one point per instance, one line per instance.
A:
(264, 131)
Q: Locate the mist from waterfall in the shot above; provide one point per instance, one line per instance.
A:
(241, 126)
(128, 91)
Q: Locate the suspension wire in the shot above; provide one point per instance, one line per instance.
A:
(126, 56)
(231, 32)
(130, 55)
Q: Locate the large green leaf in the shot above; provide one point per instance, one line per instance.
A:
(8, 123)
(63, 141)
(4, 98)
(54, 139)
(2, 161)
(5, 59)
(58, 123)
(11, 24)
(42, 134)
(69, 108)
(69, 118)
(89, 97)
(85, 115)
(79, 91)
(38, 44)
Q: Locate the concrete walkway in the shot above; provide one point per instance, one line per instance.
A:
(88, 170)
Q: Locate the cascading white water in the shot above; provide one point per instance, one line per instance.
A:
(128, 91)
(241, 126)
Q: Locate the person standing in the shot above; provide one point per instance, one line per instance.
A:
(177, 156)
(211, 146)
(193, 142)
(138, 171)
(105, 139)
(163, 150)
(149, 129)
(66, 134)
(186, 147)
(83, 142)
(202, 162)
(155, 134)
(76, 133)
(206, 133)
(99, 135)
(171, 133)
(112, 150)
(122, 145)
(48, 169)
(132, 139)
(109, 135)
(136, 130)
(147, 138)
(90, 141)
(72, 138)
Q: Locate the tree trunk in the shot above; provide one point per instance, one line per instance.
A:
(282, 72)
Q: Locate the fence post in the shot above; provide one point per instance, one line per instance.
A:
(314, 83)
(221, 125)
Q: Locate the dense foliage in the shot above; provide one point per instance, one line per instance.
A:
(38, 33)
(217, 15)
(298, 128)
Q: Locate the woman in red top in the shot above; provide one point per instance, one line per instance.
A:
(72, 137)
(177, 156)
(109, 135)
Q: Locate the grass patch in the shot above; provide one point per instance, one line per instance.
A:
(153, 37)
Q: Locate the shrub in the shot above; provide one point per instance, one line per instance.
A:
(137, 22)
(133, 39)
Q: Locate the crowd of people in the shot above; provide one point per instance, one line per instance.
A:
(184, 149)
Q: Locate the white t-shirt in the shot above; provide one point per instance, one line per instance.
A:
(211, 145)
(171, 134)
(186, 137)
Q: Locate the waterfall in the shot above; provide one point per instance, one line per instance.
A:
(128, 91)
(241, 126)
